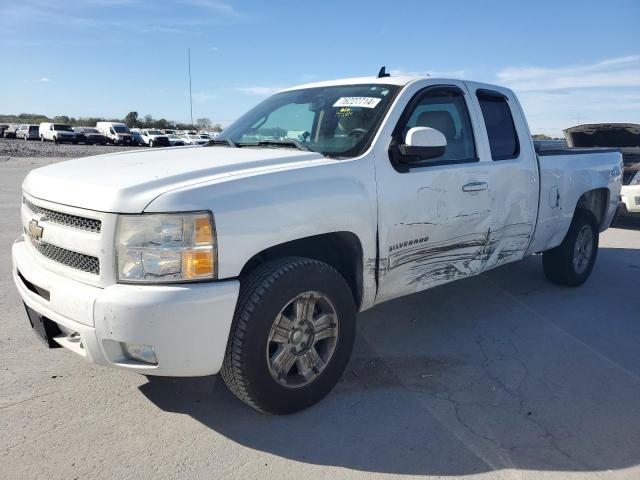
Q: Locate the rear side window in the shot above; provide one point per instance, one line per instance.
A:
(503, 138)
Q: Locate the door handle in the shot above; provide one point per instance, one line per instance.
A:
(474, 187)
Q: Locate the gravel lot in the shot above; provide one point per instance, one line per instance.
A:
(12, 148)
(499, 376)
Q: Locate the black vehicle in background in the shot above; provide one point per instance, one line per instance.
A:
(89, 136)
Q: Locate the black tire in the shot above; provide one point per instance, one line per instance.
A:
(55, 140)
(558, 263)
(42, 138)
(150, 143)
(263, 294)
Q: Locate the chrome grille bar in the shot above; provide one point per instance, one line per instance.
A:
(65, 219)
(79, 261)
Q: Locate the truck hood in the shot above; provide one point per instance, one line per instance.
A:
(126, 182)
(625, 136)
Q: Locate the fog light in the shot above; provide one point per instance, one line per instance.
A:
(141, 353)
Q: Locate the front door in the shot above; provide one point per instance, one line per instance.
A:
(433, 215)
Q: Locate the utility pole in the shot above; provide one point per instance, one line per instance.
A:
(190, 97)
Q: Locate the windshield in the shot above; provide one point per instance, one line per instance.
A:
(338, 121)
(154, 132)
(121, 129)
(62, 128)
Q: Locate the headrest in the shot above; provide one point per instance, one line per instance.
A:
(440, 120)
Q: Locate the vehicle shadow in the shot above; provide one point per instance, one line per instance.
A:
(500, 371)
(630, 222)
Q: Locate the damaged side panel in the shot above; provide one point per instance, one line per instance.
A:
(432, 231)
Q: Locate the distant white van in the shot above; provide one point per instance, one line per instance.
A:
(117, 133)
(56, 133)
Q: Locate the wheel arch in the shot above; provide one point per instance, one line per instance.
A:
(595, 201)
(342, 250)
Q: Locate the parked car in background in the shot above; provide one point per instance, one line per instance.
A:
(56, 133)
(10, 131)
(28, 132)
(115, 132)
(89, 136)
(154, 138)
(251, 256)
(175, 140)
(194, 139)
(3, 127)
(624, 136)
(136, 137)
(168, 131)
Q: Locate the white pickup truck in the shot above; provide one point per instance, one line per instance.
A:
(252, 256)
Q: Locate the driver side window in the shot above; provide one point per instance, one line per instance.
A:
(446, 111)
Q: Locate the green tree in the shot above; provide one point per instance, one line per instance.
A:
(203, 123)
(131, 119)
(216, 128)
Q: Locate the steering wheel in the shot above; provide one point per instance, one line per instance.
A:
(357, 131)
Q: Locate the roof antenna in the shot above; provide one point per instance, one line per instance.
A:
(382, 73)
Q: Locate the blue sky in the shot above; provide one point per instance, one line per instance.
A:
(569, 61)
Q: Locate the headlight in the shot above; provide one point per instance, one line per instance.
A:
(157, 248)
(636, 179)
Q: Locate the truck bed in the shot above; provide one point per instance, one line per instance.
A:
(565, 174)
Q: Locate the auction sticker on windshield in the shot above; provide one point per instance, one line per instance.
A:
(366, 102)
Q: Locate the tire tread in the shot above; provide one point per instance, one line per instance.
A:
(252, 288)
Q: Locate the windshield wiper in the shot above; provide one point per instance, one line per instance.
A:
(289, 142)
(224, 141)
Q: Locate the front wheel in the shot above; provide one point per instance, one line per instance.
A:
(291, 336)
(150, 143)
(571, 262)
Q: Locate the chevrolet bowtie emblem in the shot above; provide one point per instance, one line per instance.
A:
(35, 230)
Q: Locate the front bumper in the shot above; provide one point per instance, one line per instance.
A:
(186, 324)
(630, 195)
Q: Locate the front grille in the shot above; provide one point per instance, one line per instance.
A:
(73, 221)
(79, 261)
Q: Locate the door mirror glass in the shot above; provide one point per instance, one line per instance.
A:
(423, 143)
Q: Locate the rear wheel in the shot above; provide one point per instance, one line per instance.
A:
(291, 337)
(571, 262)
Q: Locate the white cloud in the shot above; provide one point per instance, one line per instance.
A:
(555, 98)
(432, 73)
(216, 5)
(262, 91)
(46, 80)
(614, 72)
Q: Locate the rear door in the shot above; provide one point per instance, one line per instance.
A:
(512, 170)
(434, 215)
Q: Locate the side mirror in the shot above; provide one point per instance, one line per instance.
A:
(423, 143)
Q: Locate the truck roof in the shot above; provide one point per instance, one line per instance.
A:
(399, 80)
